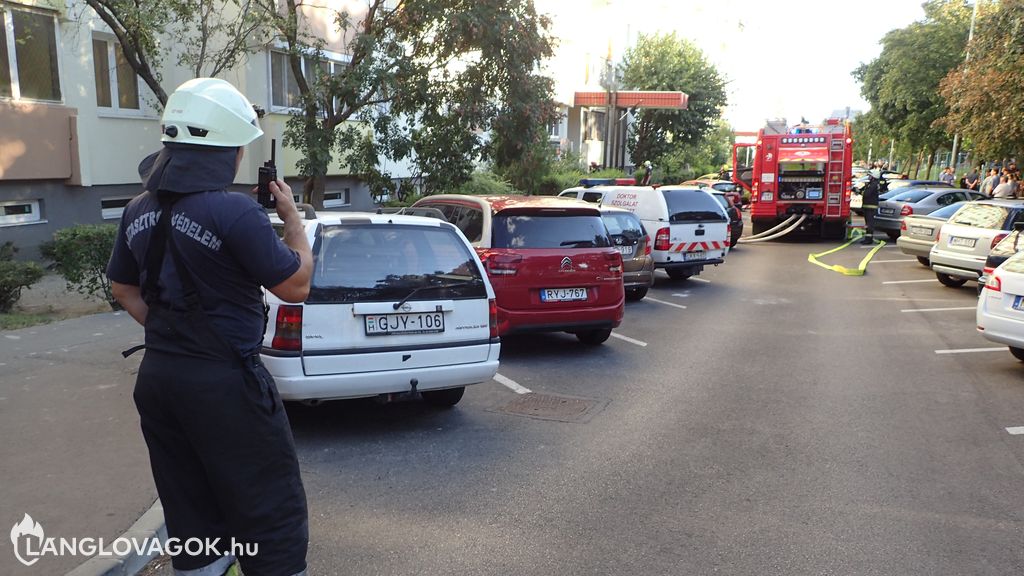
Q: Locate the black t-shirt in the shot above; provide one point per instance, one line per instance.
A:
(229, 247)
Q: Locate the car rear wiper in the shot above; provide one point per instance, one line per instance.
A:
(576, 243)
(398, 304)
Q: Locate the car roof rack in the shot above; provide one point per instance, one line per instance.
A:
(425, 211)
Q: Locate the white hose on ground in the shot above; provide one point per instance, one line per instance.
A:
(772, 230)
(761, 237)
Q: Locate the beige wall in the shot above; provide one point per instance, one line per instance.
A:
(36, 141)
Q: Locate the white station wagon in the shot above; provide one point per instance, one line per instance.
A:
(398, 305)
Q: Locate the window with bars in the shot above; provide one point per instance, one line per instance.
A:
(117, 85)
(20, 212)
(28, 55)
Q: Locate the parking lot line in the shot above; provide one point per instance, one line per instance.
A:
(891, 261)
(968, 350)
(704, 280)
(910, 281)
(1015, 430)
(939, 309)
(511, 384)
(666, 303)
(628, 339)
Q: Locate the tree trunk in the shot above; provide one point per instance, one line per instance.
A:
(313, 191)
(931, 163)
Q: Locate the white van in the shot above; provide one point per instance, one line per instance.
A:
(689, 227)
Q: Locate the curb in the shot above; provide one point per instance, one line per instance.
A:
(149, 525)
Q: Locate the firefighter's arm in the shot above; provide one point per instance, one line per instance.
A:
(296, 287)
(130, 298)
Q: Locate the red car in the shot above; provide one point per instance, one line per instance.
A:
(550, 260)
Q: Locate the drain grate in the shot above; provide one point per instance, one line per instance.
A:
(554, 407)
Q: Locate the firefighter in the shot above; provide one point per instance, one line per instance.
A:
(187, 264)
(870, 205)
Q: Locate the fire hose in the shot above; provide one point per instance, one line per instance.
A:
(773, 233)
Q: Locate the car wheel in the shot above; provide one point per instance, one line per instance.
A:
(444, 398)
(947, 280)
(893, 235)
(677, 274)
(1018, 353)
(924, 261)
(594, 337)
(636, 293)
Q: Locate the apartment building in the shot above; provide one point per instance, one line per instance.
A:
(75, 120)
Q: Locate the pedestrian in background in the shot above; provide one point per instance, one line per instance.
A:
(188, 263)
(1004, 189)
(973, 180)
(990, 182)
(947, 176)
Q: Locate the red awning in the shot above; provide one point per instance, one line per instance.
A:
(819, 154)
(637, 99)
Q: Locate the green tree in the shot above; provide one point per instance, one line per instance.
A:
(902, 84)
(427, 78)
(690, 160)
(669, 62)
(985, 94)
(206, 36)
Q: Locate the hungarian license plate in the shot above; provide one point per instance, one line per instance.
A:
(964, 242)
(1018, 303)
(921, 230)
(562, 294)
(699, 255)
(887, 211)
(625, 250)
(416, 323)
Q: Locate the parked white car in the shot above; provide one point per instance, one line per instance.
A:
(398, 304)
(1000, 314)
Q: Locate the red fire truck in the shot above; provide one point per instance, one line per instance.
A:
(802, 171)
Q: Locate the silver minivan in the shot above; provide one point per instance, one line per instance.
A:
(398, 305)
(969, 235)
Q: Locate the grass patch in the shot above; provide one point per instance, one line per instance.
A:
(16, 320)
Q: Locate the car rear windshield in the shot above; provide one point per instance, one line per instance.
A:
(377, 262)
(692, 206)
(946, 211)
(987, 216)
(911, 196)
(548, 230)
(623, 223)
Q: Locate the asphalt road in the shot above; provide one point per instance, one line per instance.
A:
(781, 419)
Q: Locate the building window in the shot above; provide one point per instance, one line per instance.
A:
(117, 85)
(29, 69)
(284, 89)
(555, 130)
(112, 208)
(20, 212)
(337, 199)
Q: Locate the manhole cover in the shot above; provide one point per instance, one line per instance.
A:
(554, 407)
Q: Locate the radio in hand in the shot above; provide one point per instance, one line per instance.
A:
(267, 174)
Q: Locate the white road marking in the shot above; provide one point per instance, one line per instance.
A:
(1015, 430)
(511, 384)
(968, 350)
(939, 309)
(910, 281)
(683, 295)
(890, 261)
(692, 279)
(628, 339)
(666, 303)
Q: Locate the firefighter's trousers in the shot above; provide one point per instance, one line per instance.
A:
(224, 461)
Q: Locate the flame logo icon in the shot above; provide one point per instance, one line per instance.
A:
(27, 527)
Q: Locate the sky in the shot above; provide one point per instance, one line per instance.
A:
(781, 58)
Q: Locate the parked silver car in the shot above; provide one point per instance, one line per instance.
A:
(965, 240)
(912, 201)
(919, 232)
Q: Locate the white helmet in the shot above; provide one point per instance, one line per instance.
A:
(209, 112)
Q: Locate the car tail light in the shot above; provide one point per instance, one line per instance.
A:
(998, 239)
(499, 264)
(988, 271)
(288, 328)
(907, 210)
(903, 225)
(994, 284)
(493, 313)
(647, 245)
(615, 267)
(728, 232)
(661, 240)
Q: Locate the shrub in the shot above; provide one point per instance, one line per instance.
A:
(486, 183)
(14, 276)
(80, 253)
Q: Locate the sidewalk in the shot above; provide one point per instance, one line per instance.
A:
(73, 456)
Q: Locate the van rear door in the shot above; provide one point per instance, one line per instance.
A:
(699, 226)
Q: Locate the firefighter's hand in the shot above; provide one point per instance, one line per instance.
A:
(285, 203)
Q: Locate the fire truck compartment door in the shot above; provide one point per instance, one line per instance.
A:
(817, 154)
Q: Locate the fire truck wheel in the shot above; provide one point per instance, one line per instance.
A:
(677, 274)
(833, 230)
(924, 261)
(1018, 353)
(947, 280)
